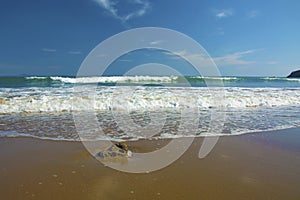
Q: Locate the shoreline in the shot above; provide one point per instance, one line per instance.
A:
(27, 136)
(263, 165)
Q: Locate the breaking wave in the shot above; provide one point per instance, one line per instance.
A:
(151, 98)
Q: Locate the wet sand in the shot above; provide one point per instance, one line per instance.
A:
(252, 166)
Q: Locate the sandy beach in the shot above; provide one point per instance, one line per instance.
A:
(251, 166)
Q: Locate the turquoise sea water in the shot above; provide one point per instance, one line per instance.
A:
(18, 82)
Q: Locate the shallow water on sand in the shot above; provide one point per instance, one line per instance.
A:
(160, 124)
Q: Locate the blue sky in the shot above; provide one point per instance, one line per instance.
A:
(244, 37)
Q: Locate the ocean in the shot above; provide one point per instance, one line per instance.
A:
(44, 107)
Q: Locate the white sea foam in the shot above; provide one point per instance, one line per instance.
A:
(36, 77)
(281, 79)
(14, 134)
(151, 79)
(48, 108)
(216, 78)
(150, 98)
(133, 79)
(116, 79)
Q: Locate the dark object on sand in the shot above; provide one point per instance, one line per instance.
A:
(294, 74)
(115, 152)
(123, 146)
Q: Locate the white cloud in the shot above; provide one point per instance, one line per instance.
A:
(112, 6)
(48, 50)
(223, 13)
(75, 52)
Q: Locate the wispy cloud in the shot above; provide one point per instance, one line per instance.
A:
(48, 50)
(53, 67)
(272, 62)
(236, 58)
(74, 52)
(220, 31)
(125, 60)
(252, 14)
(156, 42)
(113, 7)
(101, 55)
(223, 13)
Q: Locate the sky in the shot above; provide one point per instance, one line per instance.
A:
(243, 37)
